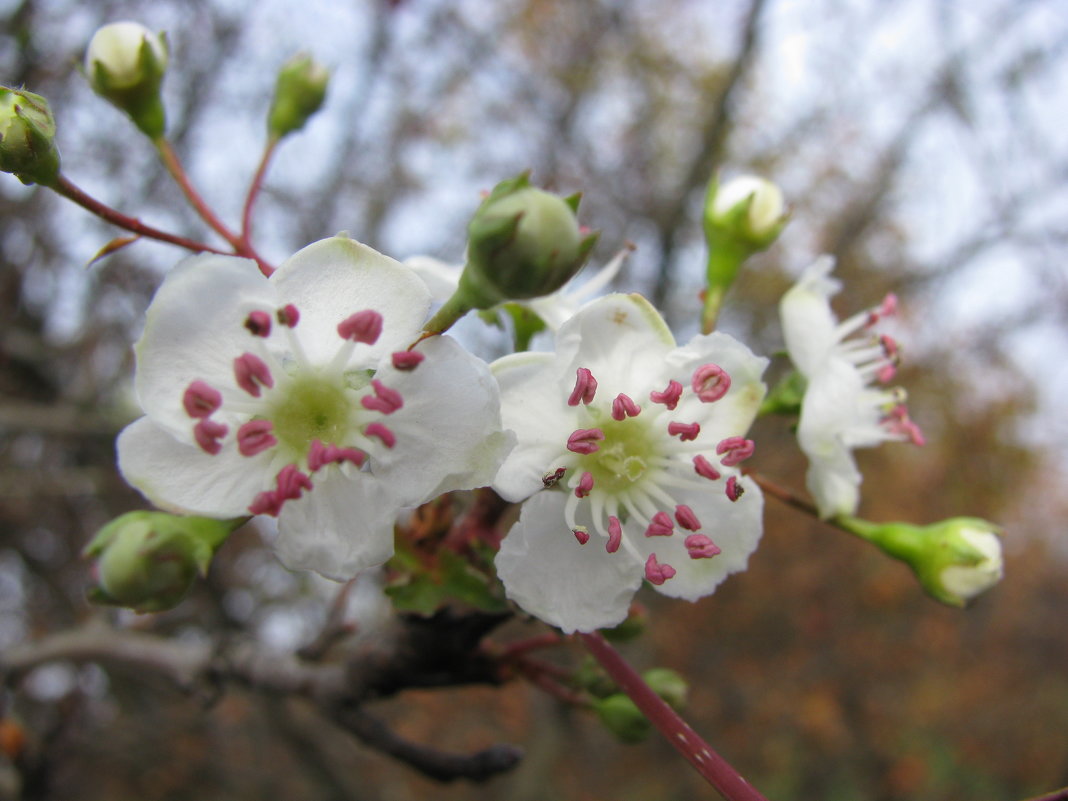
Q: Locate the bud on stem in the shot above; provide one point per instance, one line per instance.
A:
(299, 92)
(28, 137)
(125, 63)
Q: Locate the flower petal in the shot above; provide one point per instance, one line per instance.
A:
(184, 479)
(550, 575)
(193, 331)
(342, 526)
(808, 322)
(441, 278)
(338, 277)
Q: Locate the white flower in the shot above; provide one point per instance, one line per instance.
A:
(293, 396)
(630, 444)
(116, 48)
(442, 279)
(965, 581)
(841, 409)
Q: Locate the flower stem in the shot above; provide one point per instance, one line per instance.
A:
(70, 191)
(712, 767)
(254, 190)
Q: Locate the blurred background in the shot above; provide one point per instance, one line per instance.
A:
(921, 142)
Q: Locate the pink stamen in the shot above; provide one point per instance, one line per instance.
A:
(385, 400)
(686, 518)
(887, 308)
(553, 478)
(704, 468)
(657, 573)
(623, 407)
(669, 397)
(201, 400)
(407, 359)
(886, 373)
(585, 485)
(258, 323)
(288, 316)
(364, 326)
(581, 534)
(251, 373)
(734, 489)
(292, 482)
(615, 534)
(320, 455)
(684, 431)
(898, 422)
(266, 503)
(255, 437)
(585, 388)
(381, 432)
(711, 382)
(584, 440)
(890, 347)
(701, 547)
(660, 526)
(737, 450)
(207, 433)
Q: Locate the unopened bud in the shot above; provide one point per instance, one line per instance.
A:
(125, 63)
(669, 685)
(148, 560)
(622, 717)
(27, 137)
(955, 560)
(298, 93)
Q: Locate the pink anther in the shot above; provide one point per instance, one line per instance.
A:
(886, 373)
(251, 372)
(266, 503)
(898, 422)
(704, 468)
(407, 359)
(686, 518)
(657, 573)
(291, 483)
(711, 382)
(615, 534)
(581, 534)
(553, 478)
(887, 308)
(364, 326)
(382, 432)
(585, 388)
(669, 397)
(255, 437)
(207, 433)
(734, 489)
(660, 526)
(258, 323)
(584, 440)
(201, 400)
(585, 485)
(735, 450)
(684, 431)
(320, 455)
(384, 400)
(701, 547)
(288, 316)
(623, 407)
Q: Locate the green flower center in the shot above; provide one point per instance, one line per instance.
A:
(309, 408)
(625, 455)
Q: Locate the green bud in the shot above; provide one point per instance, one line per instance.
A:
(148, 560)
(786, 396)
(621, 717)
(669, 685)
(125, 63)
(298, 93)
(741, 217)
(27, 137)
(955, 560)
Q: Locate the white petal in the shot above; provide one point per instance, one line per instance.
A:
(184, 479)
(621, 339)
(734, 526)
(194, 329)
(732, 414)
(449, 434)
(534, 406)
(550, 575)
(334, 278)
(344, 525)
(441, 278)
(808, 323)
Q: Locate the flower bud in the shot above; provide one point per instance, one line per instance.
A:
(27, 137)
(147, 560)
(955, 560)
(622, 717)
(298, 93)
(742, 217)
(669, 685)
(125, 63)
